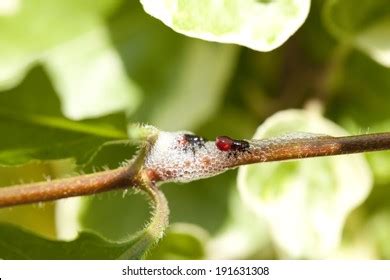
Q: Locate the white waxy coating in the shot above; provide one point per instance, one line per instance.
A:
(171, 158)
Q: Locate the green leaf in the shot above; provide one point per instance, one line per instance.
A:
(39, 219)
(70, 38)
(19, 244)
(366, 26)
(176, 73)
(90, 77)
(240, 237)
(181, 242)
(202, 204)
(364, 86)
(260, 25)
(36, 128)
(305, 202)
(378, 230)
(107, 214)
(16, 243)
(205, 69)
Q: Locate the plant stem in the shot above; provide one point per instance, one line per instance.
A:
(121, 177)
(290, 146)
(154, 231)
(56, 189)
(284, 148)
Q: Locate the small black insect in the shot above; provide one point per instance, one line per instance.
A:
(227, 144)
(193, 142)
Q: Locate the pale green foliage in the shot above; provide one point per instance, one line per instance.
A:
(249, 238)
(260, 25)
(78, 54)
(305, 202)
(195, 84)
(84, 58)
(182, 242)
(366, 25)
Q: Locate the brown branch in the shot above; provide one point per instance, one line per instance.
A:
(319, 145)
(174, 161)
(185, 163)
(121, 177)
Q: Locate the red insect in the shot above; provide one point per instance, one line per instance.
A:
(227, 144)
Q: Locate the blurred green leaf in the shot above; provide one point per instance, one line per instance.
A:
(18, 244)
(90, 77)
(366, 25)
(182, 79)
(23, 245)
(364, 86)
(72, 40)
(110, 214)
(379, 231)
(243, 235)
(109, 55)
(198, 88)
(181, 242)
(305, 202)
(36, 128)
(260, 25)
(36, 217)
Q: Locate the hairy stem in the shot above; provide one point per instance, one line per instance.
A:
(157, 225)
(121, 177)
(316, 146)
(172, 157)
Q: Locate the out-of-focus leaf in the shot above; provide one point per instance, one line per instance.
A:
(260, 25)
(202, 202)
(19, 244)
(181, 242)
(36, 128)
(9, 7)
(106, 213)
(198, 88)
(183, 79)
(364, 86)
(379, 231)
(305, 202)
(366, 25)
(71, 38)
(243, 235)
(90, 77)
(37, 217)
(109, 214)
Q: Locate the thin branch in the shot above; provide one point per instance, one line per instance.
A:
(173, 157)
(56, 189)
(312, 145)
(173, 160)
(121, 177)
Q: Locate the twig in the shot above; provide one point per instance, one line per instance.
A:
(172, 162)
(173, 158)
(121, 177)
(284, 148)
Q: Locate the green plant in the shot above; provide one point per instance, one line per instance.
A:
(74, 75)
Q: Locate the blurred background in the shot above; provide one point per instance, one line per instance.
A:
(107, 63)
